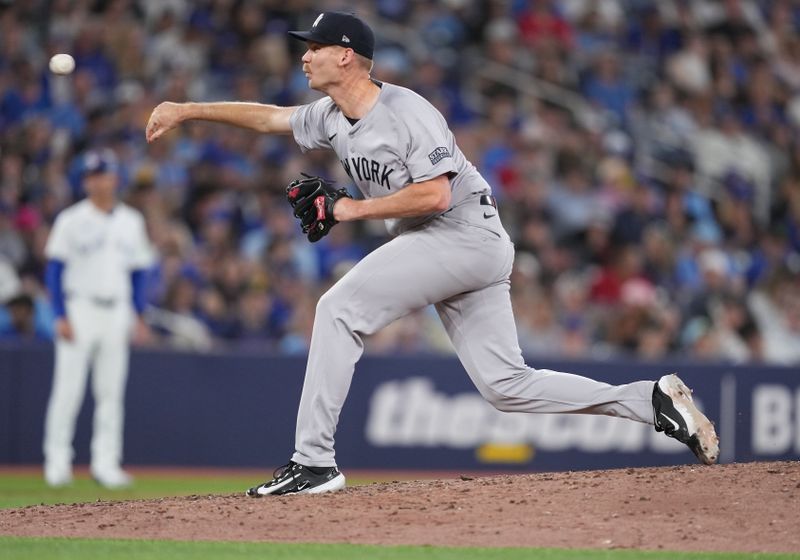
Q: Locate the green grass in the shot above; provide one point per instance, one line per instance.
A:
(38, 549)
(17, 490)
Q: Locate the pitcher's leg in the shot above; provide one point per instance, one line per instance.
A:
(336, 345)
(408, 273)
(481, 326)
(66, 397)
(366, 299)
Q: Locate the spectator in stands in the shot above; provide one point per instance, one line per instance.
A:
(540, 24)
(776, 309)
(607, 88)
(22, 325)
(573, 201)
(735, 330)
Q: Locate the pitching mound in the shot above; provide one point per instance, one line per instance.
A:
(749, 507)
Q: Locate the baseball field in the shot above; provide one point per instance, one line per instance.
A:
(746, 510)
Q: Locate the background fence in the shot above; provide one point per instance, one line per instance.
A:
(402, 413)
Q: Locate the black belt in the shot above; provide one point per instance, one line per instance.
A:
(103, 302)
(485, 200)
(96, 300)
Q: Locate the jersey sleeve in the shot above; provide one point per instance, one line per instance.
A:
(53, 279)
(58, 246)
(308, 125)
(430, 143)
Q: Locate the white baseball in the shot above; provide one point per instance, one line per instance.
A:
(62, 63)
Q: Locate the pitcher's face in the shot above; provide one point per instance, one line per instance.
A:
(322, 65)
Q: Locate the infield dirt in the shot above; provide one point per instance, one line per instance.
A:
(745, 507)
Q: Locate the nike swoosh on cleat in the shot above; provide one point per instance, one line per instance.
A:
(276, 486)
(671, 421)
(487, 216)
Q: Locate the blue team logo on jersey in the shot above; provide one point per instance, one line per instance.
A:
(438, 155)
(90, 246)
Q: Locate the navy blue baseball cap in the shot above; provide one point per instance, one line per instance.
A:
(99, 161)
(340, 28)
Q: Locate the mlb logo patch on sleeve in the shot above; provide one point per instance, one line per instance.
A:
(438, 155)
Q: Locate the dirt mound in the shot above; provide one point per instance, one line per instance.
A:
(750, 507)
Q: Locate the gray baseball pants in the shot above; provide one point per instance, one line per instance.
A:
(464, 270)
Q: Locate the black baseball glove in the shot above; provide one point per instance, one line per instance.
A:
(312, 200)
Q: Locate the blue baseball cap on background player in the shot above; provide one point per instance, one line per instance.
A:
(340, 28)
(99, 161)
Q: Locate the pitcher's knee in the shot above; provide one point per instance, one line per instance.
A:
(332, 308)
(506, 395)
(502, 402)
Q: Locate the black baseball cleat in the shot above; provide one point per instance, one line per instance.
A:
(294, 478)
(677, 416)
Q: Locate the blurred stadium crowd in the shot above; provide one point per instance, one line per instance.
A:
(646, 156)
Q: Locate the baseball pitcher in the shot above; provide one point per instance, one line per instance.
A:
(449, 249)
(97, 254)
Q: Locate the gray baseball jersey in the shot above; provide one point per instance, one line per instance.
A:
(402, 140)
(459, 260)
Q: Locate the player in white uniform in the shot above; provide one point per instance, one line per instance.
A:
(449, 250)
(97, 253)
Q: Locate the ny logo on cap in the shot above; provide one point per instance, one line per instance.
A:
(316, 21)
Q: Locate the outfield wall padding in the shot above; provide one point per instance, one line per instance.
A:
(420, 412)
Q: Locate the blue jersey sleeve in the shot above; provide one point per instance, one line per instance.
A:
(139, 285)
(52, 277)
